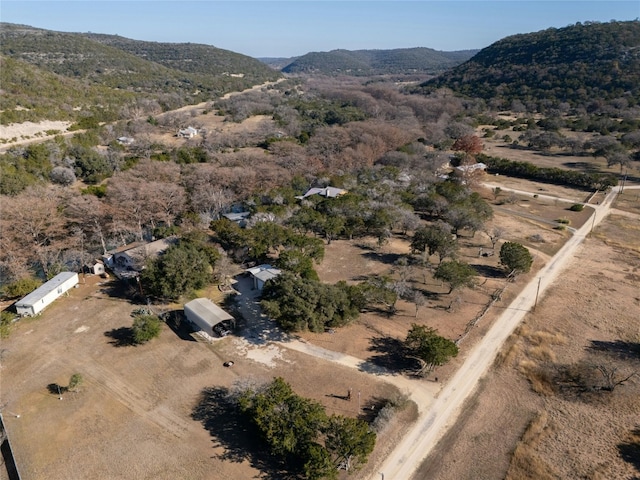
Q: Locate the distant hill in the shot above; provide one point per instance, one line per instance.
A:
(172, 74)
(377, 62)
(277, 63)
(577, 64)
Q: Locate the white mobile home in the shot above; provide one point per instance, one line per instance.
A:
(209, 317)
(46, 294)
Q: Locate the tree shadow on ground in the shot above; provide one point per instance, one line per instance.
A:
(582, 166)
(121, 337)
(371, 409)
(123, 289)
(630, 450)
(391, 354)
(221, 418)
(386, 258)
(56, 389)
(179, 325)
(618, 348)
(488, 271)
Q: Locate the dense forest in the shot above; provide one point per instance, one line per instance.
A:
(582, 64)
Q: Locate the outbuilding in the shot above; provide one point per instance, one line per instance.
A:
(208, 317)
(46, 294)
(261, 274)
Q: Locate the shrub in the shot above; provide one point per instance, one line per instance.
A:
(563, 221)
(20, 288)
(145, 328)
(576, 207)
(6, 319)
(75, 381)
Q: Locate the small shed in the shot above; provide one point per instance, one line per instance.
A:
(262, 273)
(46, 294)
(210, 318)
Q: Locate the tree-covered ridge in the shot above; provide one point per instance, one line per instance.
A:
(174, 74)
(192, 57)
(32, 94)
(377, 62)
(576, 64)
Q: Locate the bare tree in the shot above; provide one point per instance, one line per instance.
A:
(495, 234)
(611, 377)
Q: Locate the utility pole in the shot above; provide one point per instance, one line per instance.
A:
(537, 293)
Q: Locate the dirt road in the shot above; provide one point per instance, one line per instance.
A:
(432, 424)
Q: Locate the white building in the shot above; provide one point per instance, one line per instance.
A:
(46, 294)
(262, 273)
(327, 192)
(188, 132)
(210, 318)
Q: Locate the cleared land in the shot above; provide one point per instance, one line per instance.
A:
(589, 317)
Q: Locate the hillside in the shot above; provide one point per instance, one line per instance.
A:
(377, 62)
(191, 58)
(576, 64)
(30, 93)
(172, 74)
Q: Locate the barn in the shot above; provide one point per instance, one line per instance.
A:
(46, 294)
(208, 317)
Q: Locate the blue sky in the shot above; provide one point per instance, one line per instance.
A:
(288, 28)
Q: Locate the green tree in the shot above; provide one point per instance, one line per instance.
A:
(297, 262)
(436, 238)
(6, 319)
(299, 304)
(75, 381)
(317, 463)
(20, 288)
(145, 328)
(456, 273)
(332, 227)
(285, 421)
(182, 268)
(349, 440)
(424, 344)
(515, 257)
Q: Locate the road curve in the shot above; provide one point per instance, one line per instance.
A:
(433, 422)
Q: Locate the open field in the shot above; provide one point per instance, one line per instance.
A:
(132, 418)
(590, 317)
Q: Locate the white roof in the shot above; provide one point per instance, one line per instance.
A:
(46, 288)
(264, 272)
(328, 192)
(472, 168)
(207, 311)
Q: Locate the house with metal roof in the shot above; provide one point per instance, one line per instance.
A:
(261, 274)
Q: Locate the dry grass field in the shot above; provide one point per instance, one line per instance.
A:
(133, 416)
(537, 426)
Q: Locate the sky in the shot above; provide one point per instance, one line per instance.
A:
(269, 28)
